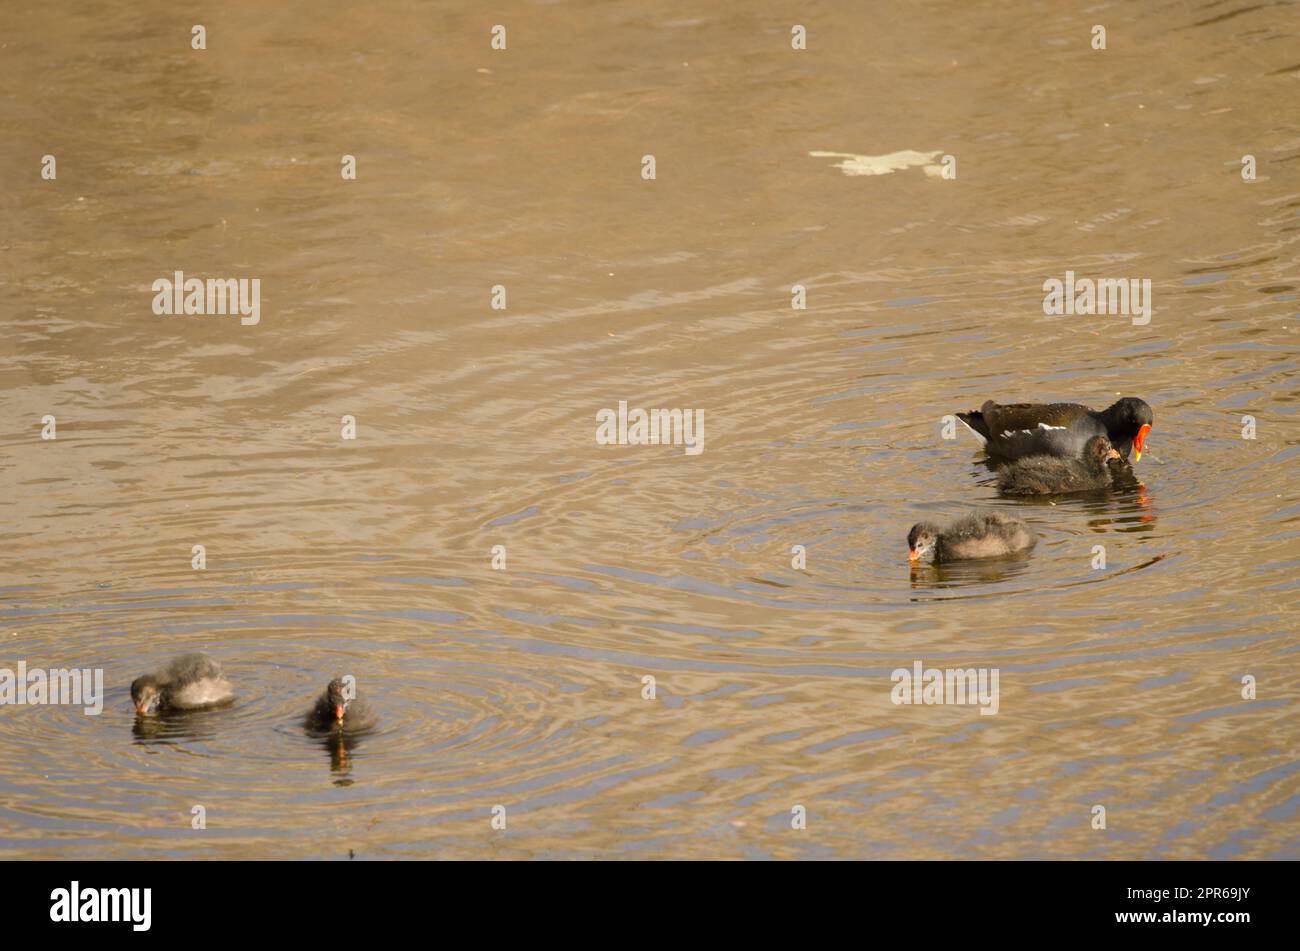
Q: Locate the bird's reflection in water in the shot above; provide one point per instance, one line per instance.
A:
(956, 574)
(1133, 497)
(1125, 507)
(339, 744)
(176, 727)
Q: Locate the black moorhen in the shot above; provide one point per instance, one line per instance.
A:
(190, 682)
(1052, 475)
(334, 710)
(979, 535)
(1017, 430)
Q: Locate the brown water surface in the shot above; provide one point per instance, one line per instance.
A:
(823, 427)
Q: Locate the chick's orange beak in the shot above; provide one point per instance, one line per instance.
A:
(338, 713)
(913, 554)
(1139, 441)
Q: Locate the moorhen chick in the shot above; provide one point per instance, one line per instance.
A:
(190, 682)
(1052, 475)
(1017, 430)
(979, 535)
(334, 710)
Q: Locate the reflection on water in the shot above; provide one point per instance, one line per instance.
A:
(527, 687)
(340, 746)
(176, 728)
(956, 574)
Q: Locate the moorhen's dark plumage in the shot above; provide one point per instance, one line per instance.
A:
(334, 710)
(1017, 430)
(1052, 475)
(190, 682)
(979, 535)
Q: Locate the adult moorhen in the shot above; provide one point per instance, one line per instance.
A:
(980, 535)
(190, 682)
(1017, 430)
(1052, 475)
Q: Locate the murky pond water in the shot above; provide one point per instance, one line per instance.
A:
(1119, 686)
